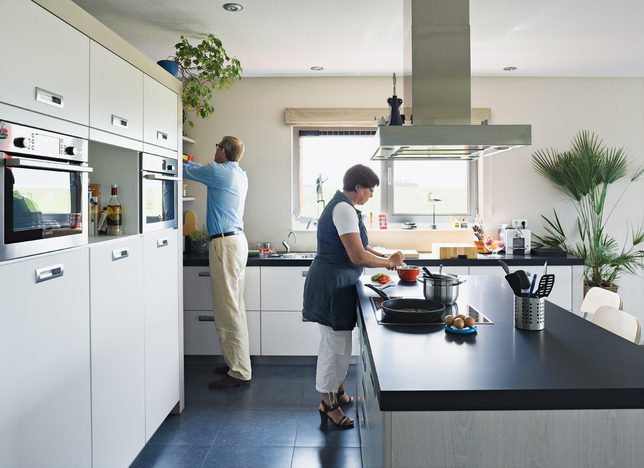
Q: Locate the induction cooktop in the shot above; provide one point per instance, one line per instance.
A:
(450, 309)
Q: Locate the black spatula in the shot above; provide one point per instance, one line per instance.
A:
(545, 285)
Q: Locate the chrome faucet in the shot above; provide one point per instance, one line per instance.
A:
(286, 244)
(314, 221)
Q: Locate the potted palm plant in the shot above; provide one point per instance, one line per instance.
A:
(584, 173)
(202, 68)
(199, 239)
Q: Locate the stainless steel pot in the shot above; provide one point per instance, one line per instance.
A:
(441, 288)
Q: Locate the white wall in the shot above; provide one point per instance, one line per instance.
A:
(557, 108)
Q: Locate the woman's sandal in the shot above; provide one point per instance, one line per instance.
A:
(340, 395)
(324, 415)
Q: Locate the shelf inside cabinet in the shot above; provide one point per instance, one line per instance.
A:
(188, 139)
(185, 199)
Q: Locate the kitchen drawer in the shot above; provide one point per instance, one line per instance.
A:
(200, 336)
(283, 288)
(285, 334)
(197, 291)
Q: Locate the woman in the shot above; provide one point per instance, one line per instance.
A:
(329, 291)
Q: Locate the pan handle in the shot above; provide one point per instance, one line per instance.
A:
(378, 291)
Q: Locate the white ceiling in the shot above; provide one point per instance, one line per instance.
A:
(595, 38)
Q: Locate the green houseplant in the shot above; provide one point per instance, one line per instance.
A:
(200, 239)
(584, 173)
(202, 68)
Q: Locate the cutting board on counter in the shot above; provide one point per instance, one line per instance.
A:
(411, 254)
(454, 250)
(190, 226)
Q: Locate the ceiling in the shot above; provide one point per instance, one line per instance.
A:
(581, 38)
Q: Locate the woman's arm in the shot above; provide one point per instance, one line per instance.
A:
(368, 258)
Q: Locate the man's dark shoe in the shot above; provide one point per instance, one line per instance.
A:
(226, 382)
(222, 370)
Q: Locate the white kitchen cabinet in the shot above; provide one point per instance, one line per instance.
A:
(562, 292)
(45, 414)
(200, 335)
(283, 288)
(117, 351)
(286, 334)
(116, 96)
(45, 63)
(161, 291)
(161, 124)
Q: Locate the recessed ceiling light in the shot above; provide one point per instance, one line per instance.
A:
(317, 68)
(233, 7)
(509, 68)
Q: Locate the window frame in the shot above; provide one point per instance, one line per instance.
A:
(387, 176)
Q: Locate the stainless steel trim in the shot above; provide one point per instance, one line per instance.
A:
(160, 177)
(162, 242)
(119, 254)
(47, 97)
(119, 121)
(162, 136)
(30, 163)
(204, 273)
(49, 273)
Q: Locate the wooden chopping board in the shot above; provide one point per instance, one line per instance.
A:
(454, 250)
(190, 224)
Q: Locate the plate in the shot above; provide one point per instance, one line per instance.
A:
(463, 331)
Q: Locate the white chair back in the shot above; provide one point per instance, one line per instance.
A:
(597, 297)
(618, 322)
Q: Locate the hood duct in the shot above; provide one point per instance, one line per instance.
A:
(441, 93)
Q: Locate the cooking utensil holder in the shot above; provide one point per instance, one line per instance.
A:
(529, 313)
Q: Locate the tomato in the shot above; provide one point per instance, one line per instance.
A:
(384, 279)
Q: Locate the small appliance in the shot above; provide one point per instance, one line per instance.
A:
(517, 241)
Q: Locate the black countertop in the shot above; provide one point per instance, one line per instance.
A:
(571, 364)
(195, 259)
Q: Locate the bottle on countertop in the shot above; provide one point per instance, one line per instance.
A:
(114, 214)
(463, 224)
(457, 223)
(478, 221)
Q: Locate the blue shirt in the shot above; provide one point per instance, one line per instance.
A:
(227, 187)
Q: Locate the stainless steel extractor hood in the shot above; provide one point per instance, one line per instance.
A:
(441, 90)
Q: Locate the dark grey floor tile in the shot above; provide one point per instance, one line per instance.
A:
(283, 395)
(192, 427)
(326, 457)
(170, 456)
(258, 428)
(247, 457)
(312, 433)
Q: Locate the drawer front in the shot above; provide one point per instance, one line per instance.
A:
(285, 334)
(200, 335)
(283, 287)
(197, 291)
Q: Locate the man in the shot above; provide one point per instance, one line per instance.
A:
(227, 187)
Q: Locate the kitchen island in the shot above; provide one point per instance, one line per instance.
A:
(571, 395)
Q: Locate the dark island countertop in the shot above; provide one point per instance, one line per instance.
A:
(571, 364)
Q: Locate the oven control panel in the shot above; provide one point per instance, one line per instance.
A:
(24, 140)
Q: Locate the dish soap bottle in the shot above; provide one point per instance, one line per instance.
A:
(114, 214)
(457, 223)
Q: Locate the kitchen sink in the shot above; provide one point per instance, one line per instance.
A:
(295, 255)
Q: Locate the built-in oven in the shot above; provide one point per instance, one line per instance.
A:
(159, 186)
(43, 191)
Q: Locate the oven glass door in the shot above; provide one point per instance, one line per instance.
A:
(41, 203)
(159, 202)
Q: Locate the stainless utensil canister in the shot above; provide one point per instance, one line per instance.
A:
(529, 313)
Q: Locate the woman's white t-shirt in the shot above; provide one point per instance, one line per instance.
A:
(345, 218)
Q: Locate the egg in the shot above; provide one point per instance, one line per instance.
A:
(461, 316)
(469, 322)
(459, 323)
(449, 320)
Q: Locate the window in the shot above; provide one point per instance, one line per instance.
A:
(321, 158)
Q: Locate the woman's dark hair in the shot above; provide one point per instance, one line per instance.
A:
(359, 175)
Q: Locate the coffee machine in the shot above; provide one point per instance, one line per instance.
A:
(517, 241)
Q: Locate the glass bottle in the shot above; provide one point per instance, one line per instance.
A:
(114, 214)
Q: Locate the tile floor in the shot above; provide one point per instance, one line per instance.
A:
(273, 422)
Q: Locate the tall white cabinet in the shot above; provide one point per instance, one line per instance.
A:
(117, 337)
(45, 398)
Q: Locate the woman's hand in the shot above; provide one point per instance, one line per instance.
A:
(395, 260)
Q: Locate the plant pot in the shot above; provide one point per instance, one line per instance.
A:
(200, 246)
(612, 288)
(170, 66)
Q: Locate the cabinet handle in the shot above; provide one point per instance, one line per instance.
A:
(162, 136)
(304, 273)
(305, 320)
(47, 97)
(52, 272)
(206, 318)
(204, 273)
(119, 254)
(119, 121)
(162, 242)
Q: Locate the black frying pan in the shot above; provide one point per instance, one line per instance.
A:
(410, 310)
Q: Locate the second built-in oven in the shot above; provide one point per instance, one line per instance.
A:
(159, 184)
(43, 191)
